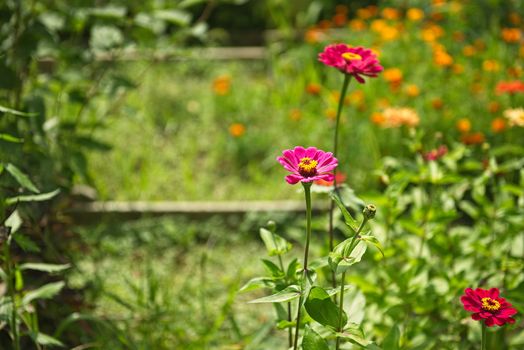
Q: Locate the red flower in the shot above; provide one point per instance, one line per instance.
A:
(436, 154)
(510, 87)
(487, 305)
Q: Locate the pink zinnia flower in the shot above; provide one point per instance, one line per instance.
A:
(487, 305)
(436, 154)
(308, 164)
(355, 61)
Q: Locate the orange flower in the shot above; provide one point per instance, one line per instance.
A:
(498, 125)
(463, 125)
(331, 113)
(340, 19)
(390, 13)
(313, 89)
(432, 32)
(442, 58)
(437, 103)
(490, 66)
(365, 13)
(458, 36)
(313, 35)
(514, 18)
(325, 24)
(378, 25)
(295, 114)
(480, 44)
(237, 129)
(473, 139)
(415, 14)
(412, 90)
(511, 35)
(357, 25)
(469, 50)
(341, 9)
(458, 68)
(222, 85)
(493, 107)
(393, 75)
(378, 118)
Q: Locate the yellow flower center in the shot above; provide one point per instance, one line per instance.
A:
(350, 56)
(489, 304)
(307, 167)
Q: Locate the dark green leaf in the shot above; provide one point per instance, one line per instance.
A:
(322, 309)
(313, 341)
(392, 339)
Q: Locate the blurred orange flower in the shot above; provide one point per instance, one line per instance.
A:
(295, 114)
(469, 50)
(313, 89)
(415, 14)
(511, 35)
(464, 125)
(325, 24)
(473, 138)
(442, 58)
(222, 85)
(514, 18)
(331, 113)
(378, 118)
(437, 103)
(390, 13)
(458, 68)
(365, 13)
(412, 90)
(498, 125)
(357, 25)
(393, 75)
(237, 129)
(510, 87)
(493, 107)
(340, 19)
(341, 9)
(490, 66)
(314, 35)
(432, 32)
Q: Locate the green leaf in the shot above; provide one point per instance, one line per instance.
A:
(354, 334)
(21, 178)
(313, 341)
(47, 340)
(292, 268)
(374, 241)
(15, 112)
(348, 218)
(47, 291)
(32, 198)
(275, 244)
(272, 268)
(340, 263)
(290, 293)
(14, 221)
(181, 18)
(75, 316)
(322, 309)
(26, 243)
(50, 268)
(256, 283)
(11, 138)
(392, 339)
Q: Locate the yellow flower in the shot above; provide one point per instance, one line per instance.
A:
(415, 14)
(490, 66)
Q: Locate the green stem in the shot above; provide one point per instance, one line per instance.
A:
(483, 339)
(12, 293)
(345, 84)
(307, 191)
(281, 263)
(343, 282)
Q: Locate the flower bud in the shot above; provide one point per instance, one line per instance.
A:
(369, 211)
(271, 226)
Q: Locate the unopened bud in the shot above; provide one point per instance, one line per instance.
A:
(369, 211)
(272, 226)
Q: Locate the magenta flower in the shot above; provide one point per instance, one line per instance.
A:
(487, 305)
(355, 61)
(308, 164)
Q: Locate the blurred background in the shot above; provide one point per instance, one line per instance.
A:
(193, 100)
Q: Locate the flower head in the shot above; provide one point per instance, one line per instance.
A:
(222, 85)
(489, 306)
(308, 164)
(394, 117)
(355, 61)
(237, 129)
(510, 87)
(515, 116)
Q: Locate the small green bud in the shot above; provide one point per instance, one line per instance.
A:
(369, 211)
(272, 226)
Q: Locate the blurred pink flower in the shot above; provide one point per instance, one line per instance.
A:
(436, 154)
(308, 164)
(355, 61)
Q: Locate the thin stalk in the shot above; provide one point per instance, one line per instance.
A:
(343, 282)
(12, 294)
(343, 92)
(483, 339)
(307, 191)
